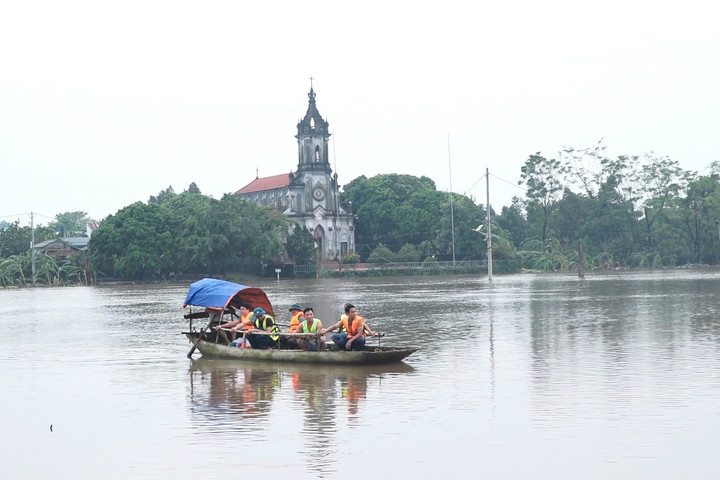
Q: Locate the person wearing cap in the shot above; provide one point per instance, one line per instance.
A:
(262, 322)
(312, 327)
(297, 317)
(355, 330)
(297, 313)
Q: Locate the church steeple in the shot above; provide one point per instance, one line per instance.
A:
(313, 138)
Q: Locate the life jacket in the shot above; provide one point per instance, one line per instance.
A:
(312, 329)
(245, 318)
(295, 321)
(261, 323)
(352, 329)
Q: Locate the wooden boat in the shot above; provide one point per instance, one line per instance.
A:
(220, 295)
(371, 355)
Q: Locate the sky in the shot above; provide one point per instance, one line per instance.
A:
(103, 104)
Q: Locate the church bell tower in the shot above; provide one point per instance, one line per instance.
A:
(312, 138)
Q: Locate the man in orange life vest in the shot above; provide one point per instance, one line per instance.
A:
(355, 330)
(297, 316)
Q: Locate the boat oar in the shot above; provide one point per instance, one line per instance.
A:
(212, 319)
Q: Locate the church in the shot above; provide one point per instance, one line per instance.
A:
(311, 194)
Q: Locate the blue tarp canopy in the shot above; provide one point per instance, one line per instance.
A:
(211, 292)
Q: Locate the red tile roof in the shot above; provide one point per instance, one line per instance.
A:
(267, 183)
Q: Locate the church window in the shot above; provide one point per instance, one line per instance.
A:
(317, 154)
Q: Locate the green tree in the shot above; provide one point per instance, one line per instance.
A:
(381, 254)
(135, 243)
(70, 224)
(394, 209)
(408, 253)
(543, 180)
(301, 245)
(163, 197)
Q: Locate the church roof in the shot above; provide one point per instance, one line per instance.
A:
(266, 183)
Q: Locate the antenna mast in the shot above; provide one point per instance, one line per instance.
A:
(489, 227)
(452, 213)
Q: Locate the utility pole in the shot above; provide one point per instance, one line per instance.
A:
(452, 213)
(489, 227)
(32, 245)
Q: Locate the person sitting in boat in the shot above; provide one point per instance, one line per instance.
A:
(264, 334)
(233, 325)
(353, 338)
(297, 317)
(238, 331)
(312, 327)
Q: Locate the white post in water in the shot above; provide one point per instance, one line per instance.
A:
(277, 271)
(489, 228)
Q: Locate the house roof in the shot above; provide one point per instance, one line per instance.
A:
(266, 183)
(78, 243)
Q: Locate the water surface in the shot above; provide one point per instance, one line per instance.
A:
(532, 376)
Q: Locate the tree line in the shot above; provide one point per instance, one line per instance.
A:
(625, 211)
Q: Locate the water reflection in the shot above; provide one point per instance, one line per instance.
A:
(242, 397)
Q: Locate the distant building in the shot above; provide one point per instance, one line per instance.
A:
(309, 195)
(63, 248)
(92, 225)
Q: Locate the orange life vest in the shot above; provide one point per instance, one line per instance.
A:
(295, 321)
(358, 322)
(245, 318)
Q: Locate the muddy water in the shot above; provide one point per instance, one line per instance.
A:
(534, 376)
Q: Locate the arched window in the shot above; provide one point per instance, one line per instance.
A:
(317, 154)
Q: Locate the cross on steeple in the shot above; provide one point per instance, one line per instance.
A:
(311, 79)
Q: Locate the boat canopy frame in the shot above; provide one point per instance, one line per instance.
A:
(220, 294)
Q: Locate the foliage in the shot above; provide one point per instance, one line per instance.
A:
(15, 240)
(301, 245)
(408, 253)
(70, 224)
(351, 258)
(187, 233)
(381, 254)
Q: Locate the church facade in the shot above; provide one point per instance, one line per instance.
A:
(310, 195)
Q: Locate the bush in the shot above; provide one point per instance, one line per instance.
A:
(408, 253)
(381, 254)
(351, 257)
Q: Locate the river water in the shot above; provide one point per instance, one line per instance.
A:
(532, 376)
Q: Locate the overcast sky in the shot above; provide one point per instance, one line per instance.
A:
(106, 103)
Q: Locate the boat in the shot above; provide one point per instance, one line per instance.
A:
(224, 296)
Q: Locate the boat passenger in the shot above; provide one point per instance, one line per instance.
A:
(297, 317)
(262, 322)
(246, 323)
(355, 330)
(232, 325)
(312, 326)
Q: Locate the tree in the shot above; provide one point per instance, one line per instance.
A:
(661, 181)
(543, 181)
(70, 224)
(163, 197)
(135, 243)
(301, 245)
(395, 209)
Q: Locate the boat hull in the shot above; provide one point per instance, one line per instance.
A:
(371, 356)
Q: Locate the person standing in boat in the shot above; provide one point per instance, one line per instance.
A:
(312, 327)
(353, 338)
(262, 323)
(233, 325)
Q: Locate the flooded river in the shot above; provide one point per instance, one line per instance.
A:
(532, 376)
